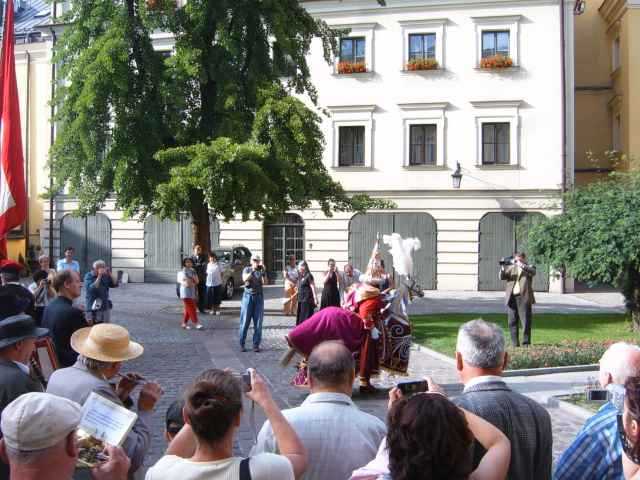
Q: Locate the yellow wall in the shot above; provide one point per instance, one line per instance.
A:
(631, 59)
(592, 80)
(33, 59)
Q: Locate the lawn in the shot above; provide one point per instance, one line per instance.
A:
(583, 333)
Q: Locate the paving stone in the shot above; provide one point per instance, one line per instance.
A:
(175, 356)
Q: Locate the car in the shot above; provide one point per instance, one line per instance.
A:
(232, 261)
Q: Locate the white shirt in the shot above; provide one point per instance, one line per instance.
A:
(265, 466)
(482, 379)
(62, 264)
(338, 436)
(214, 275)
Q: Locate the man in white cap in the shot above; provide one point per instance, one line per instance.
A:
(102, 350)
(252, 305)
(40, 443)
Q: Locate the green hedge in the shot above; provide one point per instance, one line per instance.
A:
(583, 352)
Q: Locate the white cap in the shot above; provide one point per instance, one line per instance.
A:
(35, 421)
(255, 257)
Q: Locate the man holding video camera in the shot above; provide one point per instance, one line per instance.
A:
(519, 297)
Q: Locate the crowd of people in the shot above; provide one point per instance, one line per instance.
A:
(487, 432)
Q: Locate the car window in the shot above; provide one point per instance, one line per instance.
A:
(246, 253)
(223, 255)
(238, 254)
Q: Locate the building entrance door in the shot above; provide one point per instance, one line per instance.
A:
(284, 236)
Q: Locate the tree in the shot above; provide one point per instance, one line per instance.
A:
(596, 238)
(210, 129)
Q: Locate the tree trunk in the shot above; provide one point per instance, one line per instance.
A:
(200, 222)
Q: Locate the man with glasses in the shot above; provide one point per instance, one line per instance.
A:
(596, 452)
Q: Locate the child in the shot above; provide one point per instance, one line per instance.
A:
(188, 281)
(214, 284)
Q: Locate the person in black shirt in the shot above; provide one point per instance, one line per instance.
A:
(62, 318)
(14, 297)
(199, 260)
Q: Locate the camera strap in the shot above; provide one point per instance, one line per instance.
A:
(252, 422)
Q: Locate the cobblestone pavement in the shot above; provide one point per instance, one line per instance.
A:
(174, 357)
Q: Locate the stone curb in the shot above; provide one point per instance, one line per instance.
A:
(571, 409)
(525, 372)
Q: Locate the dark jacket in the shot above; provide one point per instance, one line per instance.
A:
(525, 423)
(13, 383)
(510, 274)
(62, 319)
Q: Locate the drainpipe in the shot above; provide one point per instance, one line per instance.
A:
(27, 151)
(52, 133)
(563, 75)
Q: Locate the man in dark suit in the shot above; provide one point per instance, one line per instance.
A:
(14, 297)
(480, 360)
(18, 335)
(519, 296)
(199, 260)
(62, 318)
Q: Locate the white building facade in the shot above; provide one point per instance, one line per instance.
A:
(414, 94)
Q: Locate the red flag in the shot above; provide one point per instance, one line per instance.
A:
(13, 195)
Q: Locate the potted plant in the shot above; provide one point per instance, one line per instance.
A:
(351, 67)
(422, 64)
(495, 62)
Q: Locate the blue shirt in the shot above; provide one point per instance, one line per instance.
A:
(596, 453)
(101, 291)
(62, 264)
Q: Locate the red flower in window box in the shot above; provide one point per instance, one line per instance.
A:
(496, 62)
(351, 67)
(422, 64)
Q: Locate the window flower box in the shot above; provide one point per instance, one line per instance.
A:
(496, 62)
(345, 68)
(422, 64)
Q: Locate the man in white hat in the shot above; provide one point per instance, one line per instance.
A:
(252, 305)
(40, 443)
(102, 350)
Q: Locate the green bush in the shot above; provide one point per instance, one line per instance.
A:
(584, 352)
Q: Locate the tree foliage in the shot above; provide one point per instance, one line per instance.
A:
(211, 127)
(596, 238)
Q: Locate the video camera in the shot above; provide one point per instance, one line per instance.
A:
(504, 261)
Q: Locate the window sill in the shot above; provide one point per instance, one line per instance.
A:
(497, 70)
(352, 168)
(425, 167)
(430, 71)
(354, 74)
(499, 167)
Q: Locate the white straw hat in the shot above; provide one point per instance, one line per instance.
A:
(105, 342)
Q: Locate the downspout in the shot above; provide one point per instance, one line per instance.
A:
(563, 120)
(52, 132)
(27, 152)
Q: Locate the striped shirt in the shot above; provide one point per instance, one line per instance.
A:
(596, 453)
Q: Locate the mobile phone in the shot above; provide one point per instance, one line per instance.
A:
(409, 388)
(246, 380)
(597, 395)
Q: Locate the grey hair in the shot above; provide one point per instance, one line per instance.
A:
(94, 365)
(99, 263)
(43, 256)
(26, 457)
(481, 344)
(616, 362)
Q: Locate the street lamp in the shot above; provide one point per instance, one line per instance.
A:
(457, 176)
